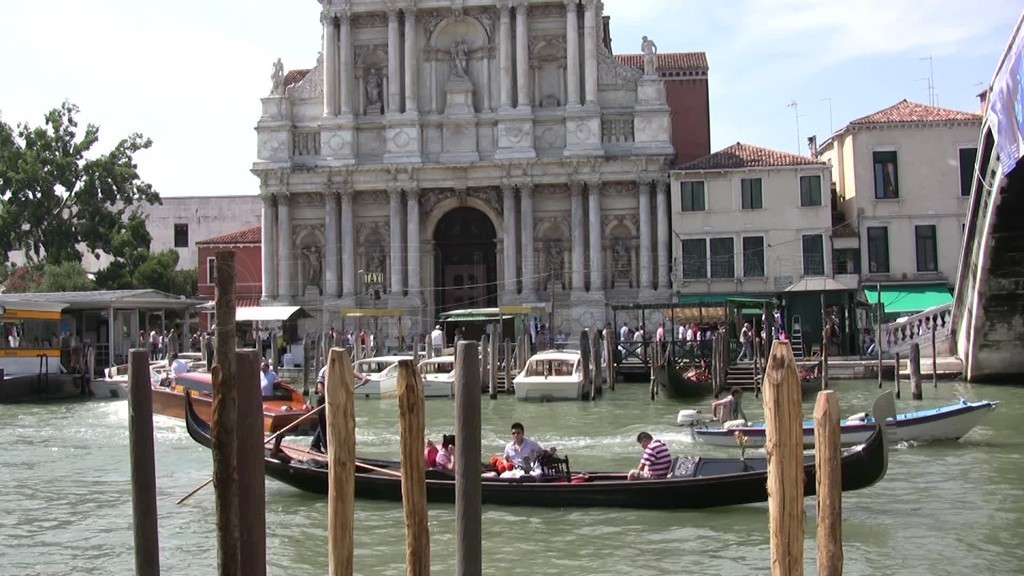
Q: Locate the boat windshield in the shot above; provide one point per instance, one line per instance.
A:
(436, 367)
(550, 368)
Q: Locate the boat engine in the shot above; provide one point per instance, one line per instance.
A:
(688, 418)
(858, 417)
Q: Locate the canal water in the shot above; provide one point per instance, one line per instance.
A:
(943, 509)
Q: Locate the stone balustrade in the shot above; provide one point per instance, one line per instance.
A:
(898, 336)
(305, 143)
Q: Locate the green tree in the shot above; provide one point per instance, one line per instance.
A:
(130, 250)
(56, 193)
(64, 277)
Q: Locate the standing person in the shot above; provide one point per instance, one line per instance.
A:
(747, 341)
(178, 366)
(656, 461)
(319, 443)
(154, 344)
(268, 380)
(522, 451)
(437, 340)
(730, 407)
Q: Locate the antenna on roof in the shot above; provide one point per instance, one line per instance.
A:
(796, 115)
(932, 95)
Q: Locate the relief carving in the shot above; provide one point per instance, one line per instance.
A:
(371, 20)
(613, 74)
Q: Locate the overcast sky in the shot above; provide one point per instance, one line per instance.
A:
(189, 73)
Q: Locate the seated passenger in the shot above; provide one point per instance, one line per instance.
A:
(729, 408)
(430, 454)
(178, 366)
(445, 459)
(656, 461)
(522, 451)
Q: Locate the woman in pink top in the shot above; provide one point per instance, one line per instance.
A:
(445, 460)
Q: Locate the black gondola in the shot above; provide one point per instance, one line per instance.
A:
(697, 482)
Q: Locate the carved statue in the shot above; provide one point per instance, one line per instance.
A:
(277, 79)
(622, 261)
(460, 56)
(556, 265)
(377, 260)
(314, 267)
(650, 52)
(374, 88)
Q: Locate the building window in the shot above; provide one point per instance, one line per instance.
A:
(887, 185)
(878, 250)
(211, 270)
(723, 258)
(846, 261)
(750, 192)
(810, 190)
(691, 196)
(181, 235)
(927, 248)
(695, 259)
(968, 157)
(814, 255)
(753, 257)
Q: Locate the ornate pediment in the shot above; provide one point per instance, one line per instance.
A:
(312, 86)
(613, 74)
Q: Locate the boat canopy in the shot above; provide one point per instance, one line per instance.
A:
(270, 313)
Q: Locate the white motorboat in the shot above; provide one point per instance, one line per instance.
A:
(438, 376)
(381, 376)
(551, 375)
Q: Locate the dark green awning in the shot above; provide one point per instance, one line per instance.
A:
(909, 298)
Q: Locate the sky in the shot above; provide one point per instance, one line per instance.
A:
(189, 74)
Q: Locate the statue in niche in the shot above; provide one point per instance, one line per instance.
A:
(314, 267)
(556, 265)
(374, 91)
(460, 56)
(650, 52)
(377, 260)
(622, 261)
(277, 79)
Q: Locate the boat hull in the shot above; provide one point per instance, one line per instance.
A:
(276, 414)
(679, 383)
(548, 389)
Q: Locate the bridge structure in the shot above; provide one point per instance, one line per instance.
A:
(988, 305)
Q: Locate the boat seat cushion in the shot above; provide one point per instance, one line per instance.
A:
(683, 466)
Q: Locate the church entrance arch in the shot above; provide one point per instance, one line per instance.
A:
(465, 261)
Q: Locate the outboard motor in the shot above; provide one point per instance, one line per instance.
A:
(688, 418)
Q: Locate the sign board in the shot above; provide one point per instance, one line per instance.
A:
(1006, 105)
(373, 278)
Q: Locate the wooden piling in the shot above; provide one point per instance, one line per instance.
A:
(341, 455)
(878, 334)
(828, 482)
(784, 445)
(914, 369)
(492, 366)
(609, 358)
(143, 464)
(508, 366)
(414, 486)
(252, 497)
(897, 375)
(825, 334)
(485, 359)
(224, 431)
(468, 494)
(935, 360)
(595, 362)
(588, 379)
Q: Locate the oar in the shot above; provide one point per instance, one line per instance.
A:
(358, 463)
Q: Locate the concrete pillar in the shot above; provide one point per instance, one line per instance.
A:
(572, 53)
(596, 257)
(394, 64)
(411, 61)
(664, 283)
(508, 199)
(590, 50)
(576, 219)
(330, 63)
(412, 208)
(522, 56)
(346, 67)
(397, 257)
(348, 231)
(644, 194)
(285, 255)
(331, 261)
(505, 55)
(526, 219)
(267, 250)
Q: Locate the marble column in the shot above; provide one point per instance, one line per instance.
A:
(285, 256)
(522, 56)
(664, 283)
(330, 64)
(268, 245)
(348, 242)
(411, 61)
(394, 64)
(572, 53)
(331, 262)
(576, 221)
(594, 225)
(508, 208)
(505, 56)
(397, 257)
(526, 219)
(590, 50)
(644, 194)
(346, 68)
(412, 208)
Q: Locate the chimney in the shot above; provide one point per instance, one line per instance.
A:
(607, 29)
(983, 99)
(812, 144)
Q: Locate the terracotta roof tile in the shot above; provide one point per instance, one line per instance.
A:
(668, 61)
(293, 77)
(252, 235)
(741, 155)
(906, 111)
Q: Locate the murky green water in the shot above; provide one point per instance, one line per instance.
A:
(943, 509)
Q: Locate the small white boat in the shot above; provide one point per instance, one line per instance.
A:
(381, 376)
(950, 422)
(551, 375)
(114, 383)
(438, 376)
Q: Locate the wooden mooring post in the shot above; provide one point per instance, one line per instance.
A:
(935, 360)
(897, 375)
(143, 464)
(595, 360)
(252, 496)
(826, 332)
(492, 367)
(414, 483)
(784, 445)
(341, 456)
(609, 357)
(468, 490)
(914, 369)
(588, 377)
(485, 361)
(828, 483)
(224, 430)
(508, 367)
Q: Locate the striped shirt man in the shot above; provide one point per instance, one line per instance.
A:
(656, 461)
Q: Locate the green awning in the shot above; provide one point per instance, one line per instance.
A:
(721, 300)
(474, 315)
(909, 298)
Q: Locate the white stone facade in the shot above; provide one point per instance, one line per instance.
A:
(460, 157)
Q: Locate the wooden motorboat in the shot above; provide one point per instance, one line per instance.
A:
(552, 375)
(381, 375)
(438, 376)
(287, 405)
(950, 422)
(695, 481)
(684, 381)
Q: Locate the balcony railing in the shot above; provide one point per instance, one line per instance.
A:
(305, 143)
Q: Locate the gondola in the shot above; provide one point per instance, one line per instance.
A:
(696, 482)
(684, 381)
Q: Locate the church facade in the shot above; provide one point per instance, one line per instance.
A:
(465, 154)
